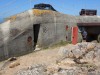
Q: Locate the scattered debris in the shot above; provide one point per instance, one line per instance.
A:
(9, 61)
(14, 64)
(12, 59)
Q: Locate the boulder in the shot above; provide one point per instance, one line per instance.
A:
(64, 52)
(82, 45)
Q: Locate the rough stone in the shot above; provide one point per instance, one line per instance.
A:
(82, 45)
(33, 70)
(63, 52)
(98, 73)
(90, 56)
(97, 55)
(77, 53)
(91, 46)
(91, 73)
(67, 62)
(53, 68)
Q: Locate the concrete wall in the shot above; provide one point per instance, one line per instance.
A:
(15, 32)
(18, 46)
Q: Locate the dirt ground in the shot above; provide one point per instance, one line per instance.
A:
(46, 56)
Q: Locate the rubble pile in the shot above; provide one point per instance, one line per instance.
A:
(89, 52)
(80, 59)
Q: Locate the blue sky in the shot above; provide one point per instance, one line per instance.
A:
(11, 7)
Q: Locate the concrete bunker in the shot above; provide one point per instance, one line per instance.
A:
(44, 28)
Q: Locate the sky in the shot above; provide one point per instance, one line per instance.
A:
(72, 7)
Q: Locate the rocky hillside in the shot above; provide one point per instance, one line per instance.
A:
(80, 59)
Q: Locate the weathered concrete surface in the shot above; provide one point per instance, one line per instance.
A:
(16, 30)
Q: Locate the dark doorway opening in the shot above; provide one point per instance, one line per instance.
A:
(92, 30)
(36, 28)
